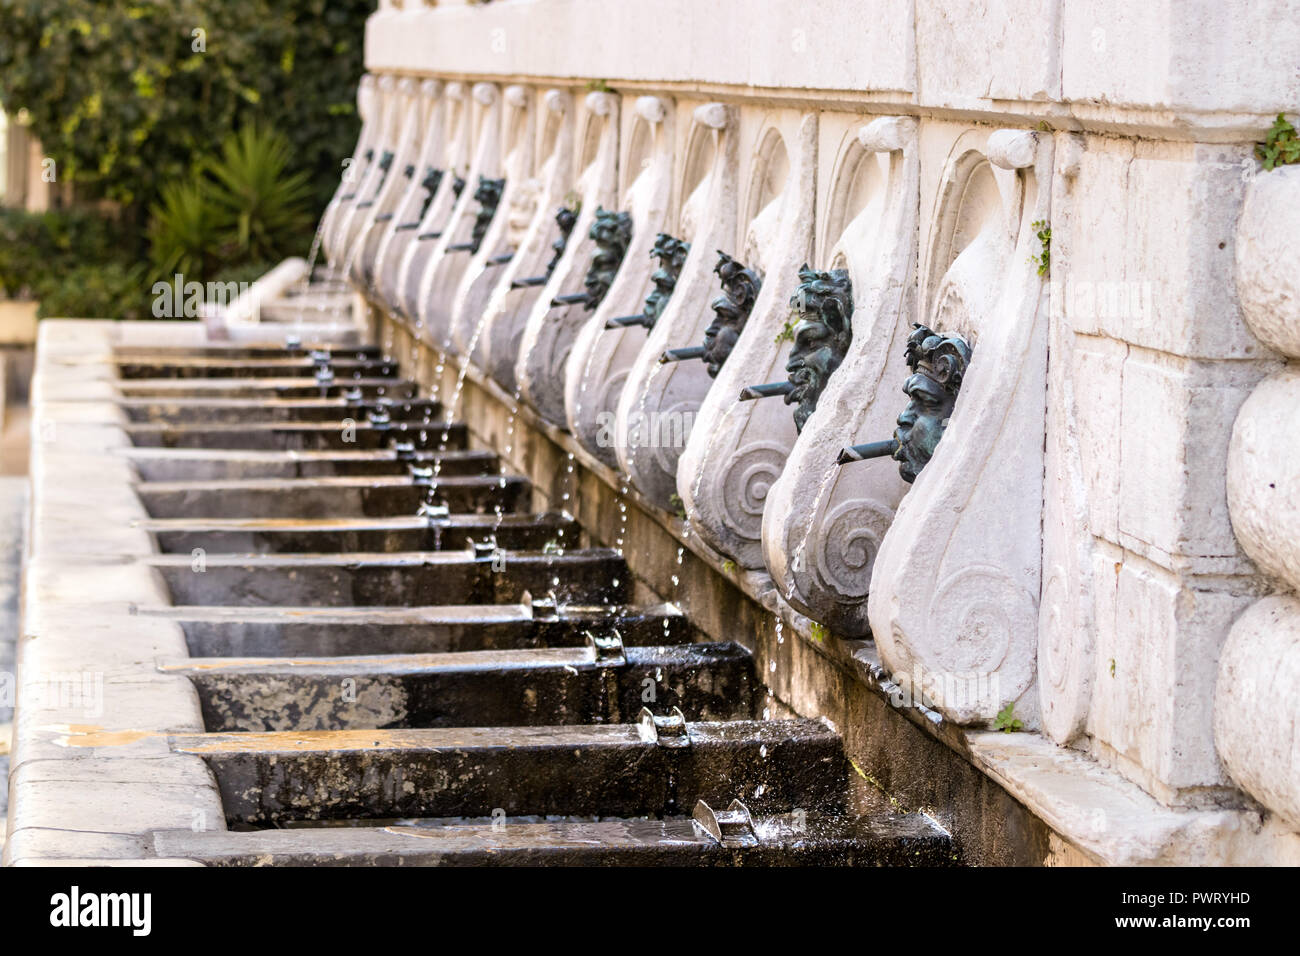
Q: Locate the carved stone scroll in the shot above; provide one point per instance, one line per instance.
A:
(823, 523)
(451, 256)
(738, 449)
(954, 598)
(537, 252)
(549, 330)
(601, 357)
(424, 181)
(419, 251)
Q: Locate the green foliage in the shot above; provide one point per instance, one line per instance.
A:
(1006, 720)
(677, 505)
(1044, 259)
(1281, 147)
(262, 207)
(125, 95)
(74, 261)
(819, 632)
(787, 332)
(131, 98)
(729, 566)
(105, 290)
(249, 273)
(183, 230)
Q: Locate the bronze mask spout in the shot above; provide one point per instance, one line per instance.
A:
(612, 233)
(565, 218)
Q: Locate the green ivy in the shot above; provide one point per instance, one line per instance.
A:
(1281, 147)
(1044, 259)
(1007, 721)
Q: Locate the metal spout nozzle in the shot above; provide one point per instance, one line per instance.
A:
(681, 355)
(875, 449)
(751, 392)
(625, 321)
(572, 298)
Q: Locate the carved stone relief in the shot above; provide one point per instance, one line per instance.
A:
(399, 95)
(659, 402)
(496, 231)
(375, 224)
(426, 176)
(601, 357)
(454, 250)
(823, 523)
(550, 328)
(954, 596)
(537, 252)
(1067, 614)
(457, 115)
(368, 110)
(375, 99)
(737, 449)
(1259, 668)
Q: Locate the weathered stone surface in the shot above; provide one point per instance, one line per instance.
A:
(600, 363)
(549, 332)
(955, 589)
(738, 449)
(822, 525)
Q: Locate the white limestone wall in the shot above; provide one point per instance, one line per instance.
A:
(1087, 468)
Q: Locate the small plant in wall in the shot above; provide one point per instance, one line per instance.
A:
(1006, 721)
(729, 566)
(787, 332)
(1043, 229)
(678, 506)
(1281, 147)
(819, 632)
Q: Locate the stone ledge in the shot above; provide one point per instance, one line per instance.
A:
(86, 787)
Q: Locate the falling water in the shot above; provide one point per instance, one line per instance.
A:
(449, 409)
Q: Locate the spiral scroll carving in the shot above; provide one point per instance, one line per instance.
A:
(675, 421)
(745, 484)
(846, 544)
(975, 615)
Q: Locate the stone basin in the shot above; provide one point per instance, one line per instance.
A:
(499, 688)
(588, 576)
(232, 464)
(298, 632)
(350, 496)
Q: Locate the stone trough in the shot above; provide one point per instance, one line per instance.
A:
(374, 632)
